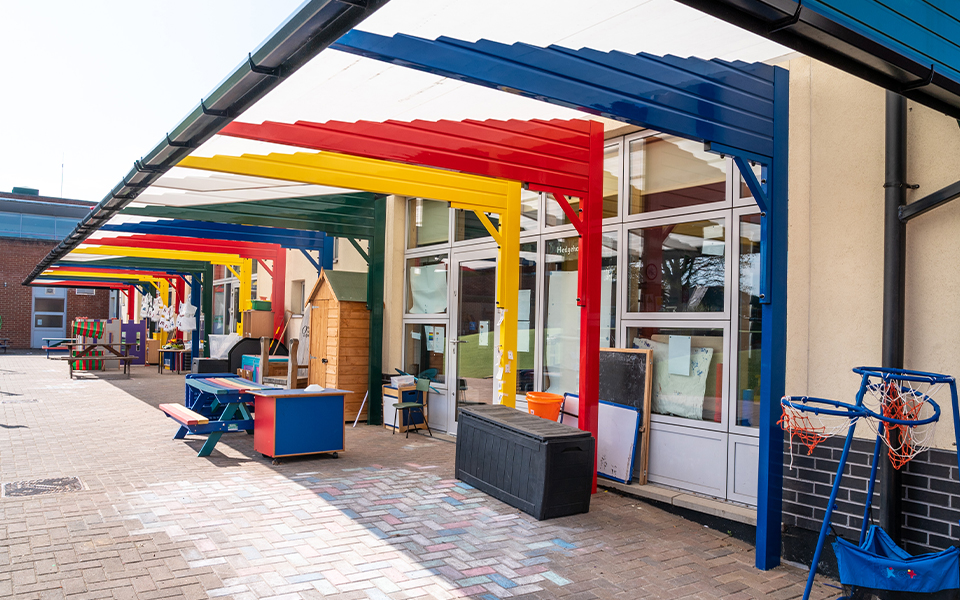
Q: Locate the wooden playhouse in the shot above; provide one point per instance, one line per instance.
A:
(340, 336)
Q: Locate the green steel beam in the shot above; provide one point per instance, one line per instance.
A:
(375, 304)
(265, 220)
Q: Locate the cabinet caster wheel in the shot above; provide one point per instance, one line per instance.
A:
(335, 455)
(277, 461)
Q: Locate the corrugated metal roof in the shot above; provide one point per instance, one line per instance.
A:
(912, 48)
(551, 154)
(728, 103)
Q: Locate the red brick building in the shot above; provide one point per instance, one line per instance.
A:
(30, 226)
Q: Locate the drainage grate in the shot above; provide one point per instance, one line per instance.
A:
(37, 487)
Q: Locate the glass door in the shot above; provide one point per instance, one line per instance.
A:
(473, 334)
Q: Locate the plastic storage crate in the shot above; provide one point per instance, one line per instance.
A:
(543, 468)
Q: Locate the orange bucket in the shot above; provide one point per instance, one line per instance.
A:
(544, 404)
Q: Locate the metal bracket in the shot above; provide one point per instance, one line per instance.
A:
(142, 168)
(908, 186)
(358, 3)
(213, 112)
(909, 87)
(179, 144)
(356, 246)
(786, 22)
(312, 260)
(271, 71)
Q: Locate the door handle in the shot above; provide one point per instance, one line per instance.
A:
(323, 360)
(458, 341)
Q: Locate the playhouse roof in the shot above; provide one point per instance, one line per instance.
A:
(347, 286)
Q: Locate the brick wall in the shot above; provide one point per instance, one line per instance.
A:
(930, 500)
(19, 257)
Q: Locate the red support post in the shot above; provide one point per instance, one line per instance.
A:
(589, 266)
(131, 303)
(277, 300)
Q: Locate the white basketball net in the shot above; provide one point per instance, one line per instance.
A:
(905, 400)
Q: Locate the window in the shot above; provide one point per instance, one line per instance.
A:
(469, 227)
(428, 222)
(427, 285)
(611, 180)
(423, 350)
(677, 268)
(336, 250)
(749, 324)
(85, 292)
(38, 226)
(669, 172)
(9, 224)
(297, 300)
(555, 215)
(687, 370)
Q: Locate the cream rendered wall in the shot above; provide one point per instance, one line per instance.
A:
(393, 271)
(835, 262)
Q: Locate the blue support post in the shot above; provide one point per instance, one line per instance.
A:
(326, 257)
(773, 353)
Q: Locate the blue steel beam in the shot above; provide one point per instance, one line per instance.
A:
(288, 238)
(727, 103)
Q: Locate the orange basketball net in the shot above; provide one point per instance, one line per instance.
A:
(799, 426)
(903, 440)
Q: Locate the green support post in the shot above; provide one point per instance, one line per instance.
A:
(375, 265)
(207, 307)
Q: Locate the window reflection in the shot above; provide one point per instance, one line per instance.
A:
(428, 222)
(561, 335)
(423, 352)
(677, 268)
(427, 284)
(611, 180)
(670, 172)
(687, 370)
(749, 324)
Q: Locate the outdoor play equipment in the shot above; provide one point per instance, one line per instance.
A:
(899, 406)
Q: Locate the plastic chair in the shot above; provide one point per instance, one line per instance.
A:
(423, 385)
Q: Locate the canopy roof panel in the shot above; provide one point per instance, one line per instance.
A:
(912, 48)
(727, 103)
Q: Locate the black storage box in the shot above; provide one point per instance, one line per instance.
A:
(209, 365)
(541, 467)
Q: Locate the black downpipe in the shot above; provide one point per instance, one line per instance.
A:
(894, 256)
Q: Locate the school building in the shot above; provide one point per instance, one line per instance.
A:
(781, 294)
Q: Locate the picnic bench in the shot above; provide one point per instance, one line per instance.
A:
(73, 360)
(56, 345)
(214, 403)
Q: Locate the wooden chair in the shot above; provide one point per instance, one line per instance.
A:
(405, 408)
(293, 380)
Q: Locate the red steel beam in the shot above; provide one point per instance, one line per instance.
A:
(545, 154)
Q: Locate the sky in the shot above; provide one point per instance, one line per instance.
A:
(93, 86)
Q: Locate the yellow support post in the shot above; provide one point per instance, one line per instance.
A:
(508, 295)
(246, 285)
(163, 288)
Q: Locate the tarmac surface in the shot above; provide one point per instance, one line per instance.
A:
(147, 518)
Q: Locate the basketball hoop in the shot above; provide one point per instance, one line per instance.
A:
(901, 410)
(813, 420)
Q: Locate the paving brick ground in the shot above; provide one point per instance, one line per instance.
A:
(385, 520)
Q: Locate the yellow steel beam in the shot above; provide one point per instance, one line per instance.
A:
(210, 257)
(378, 176)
